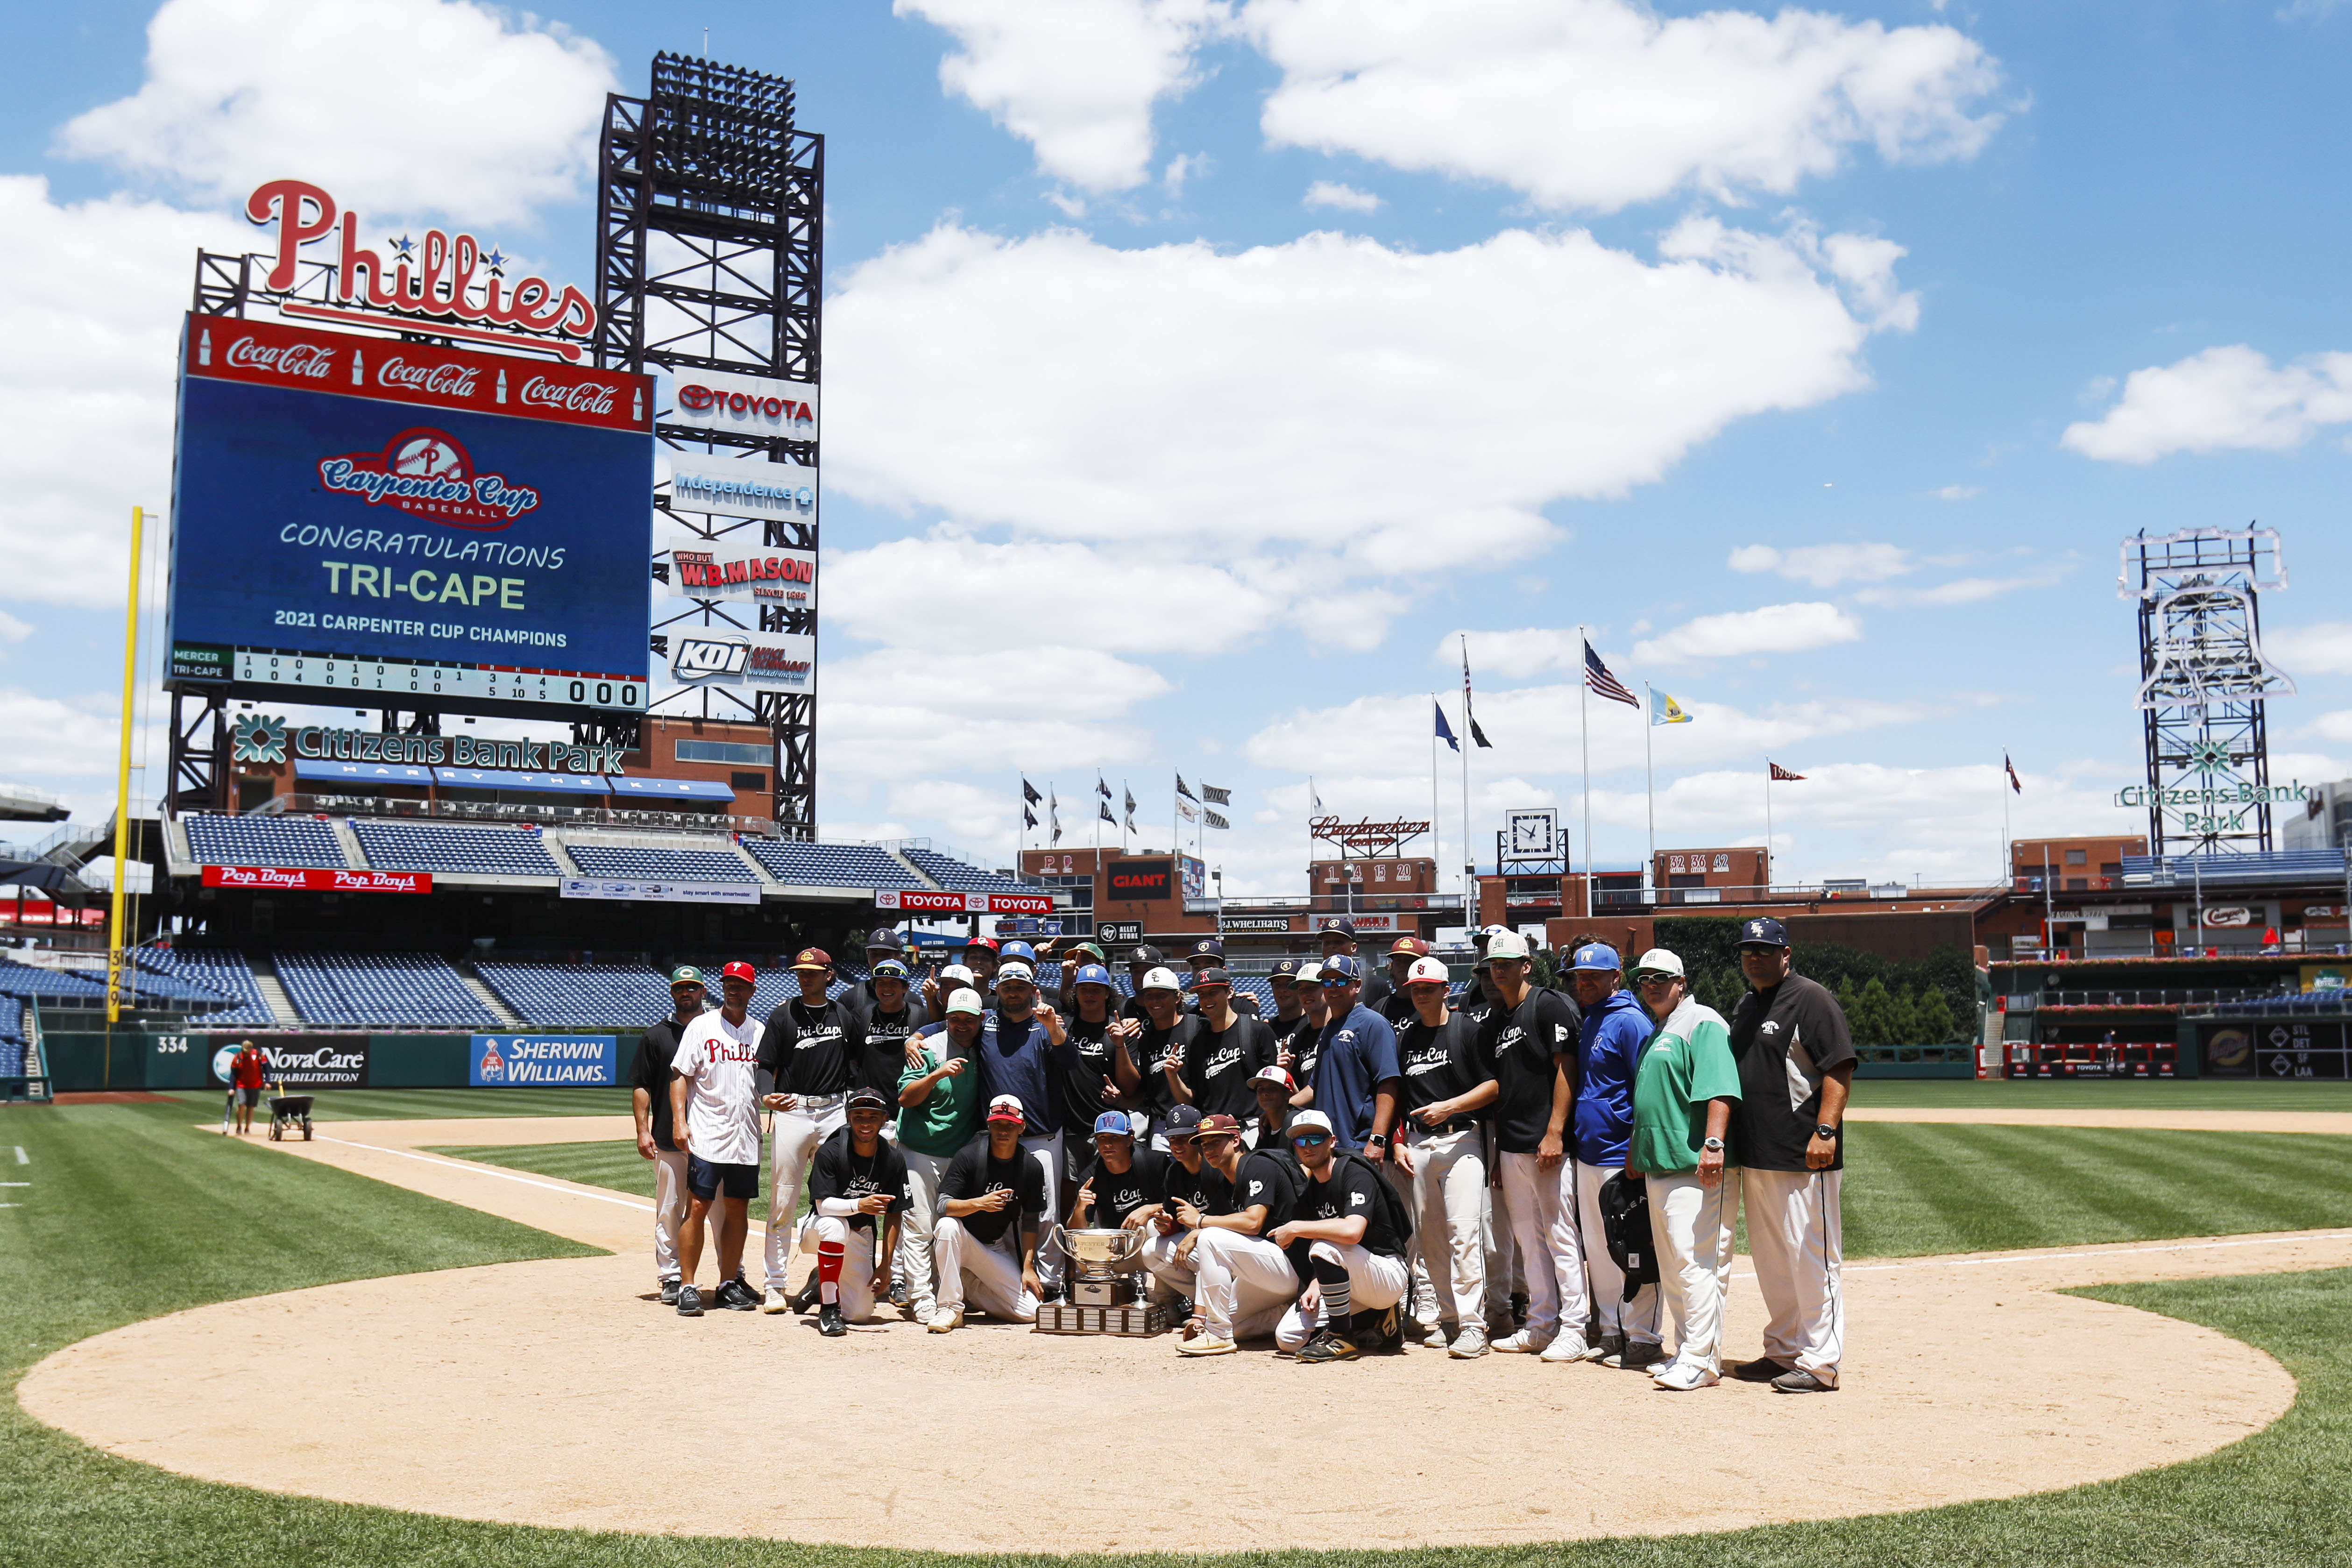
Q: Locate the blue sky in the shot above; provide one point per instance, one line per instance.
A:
(1752, 340)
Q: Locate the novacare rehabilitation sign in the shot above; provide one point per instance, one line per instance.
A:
(545, 1061)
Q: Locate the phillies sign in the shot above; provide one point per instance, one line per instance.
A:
(433, 278)
(916, 903)
(310, 879)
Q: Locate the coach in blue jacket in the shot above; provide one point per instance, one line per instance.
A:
(1615, 1030)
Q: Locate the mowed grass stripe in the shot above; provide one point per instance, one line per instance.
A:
(2096, 1094)
(431, 1104)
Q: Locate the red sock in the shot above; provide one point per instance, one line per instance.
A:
(828, 1271)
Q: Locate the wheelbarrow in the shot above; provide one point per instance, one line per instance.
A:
(287, 1112)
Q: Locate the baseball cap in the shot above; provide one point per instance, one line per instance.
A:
(1212, 1125)
(1598, 956)
(1342, 927)
(686, 975)
(1146, 955)
(1160, 980)
(1114, 1122)
(965, 1001)
(1280, 1078)
(886, 937)
(1092, 974)
(739, 969)
(1765, 931)
(872, 1097)
(1310, 972)
(1006, 1108)
(1340, 970)
(1017, 949)
(1484, 967)
(888, 969)
(1309, 1121)
(1507, 944)
(955, 973)
(1212, 976)
(1486, 934)
(812, 958)
(1091, 951)
(1425, 970)
(1208, 947)
(1658, 960)
(1181, 1122)
(1015, 970)
(1408, 946)
(988, 943)
(1286, 972)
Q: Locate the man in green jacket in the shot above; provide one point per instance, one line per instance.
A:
(939, 1096)
(1683, 1096)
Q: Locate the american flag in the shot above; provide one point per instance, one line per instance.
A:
(2011, 768)
(1603, 684)
(1781, 775)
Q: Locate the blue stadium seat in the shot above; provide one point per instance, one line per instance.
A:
(264, 841)
(829, 865)
(347, 989)
(579, 995)
(959, 878)
(393, 846)
(220, 970)
(658, 865)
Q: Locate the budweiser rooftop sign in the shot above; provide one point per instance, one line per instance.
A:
(313, 879)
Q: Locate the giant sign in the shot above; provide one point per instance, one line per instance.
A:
(1127, 880)
(359, 516)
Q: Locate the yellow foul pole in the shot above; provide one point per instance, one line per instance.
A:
(118, 944)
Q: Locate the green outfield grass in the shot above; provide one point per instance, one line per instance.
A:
(132, 1213)
(1912, 1189)
(2127, 1094)
(421, 1104)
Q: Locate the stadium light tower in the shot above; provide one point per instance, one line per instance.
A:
(2203, 684)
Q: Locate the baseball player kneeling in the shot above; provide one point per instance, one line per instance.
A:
(1244, 1279)
(979, 1249)
(1347, 1243)
(858, 1179)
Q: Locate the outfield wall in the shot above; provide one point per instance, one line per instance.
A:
(161, 1061)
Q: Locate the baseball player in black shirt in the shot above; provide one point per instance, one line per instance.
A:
(1532, 1039)
(649, 1099)
(988, 1188)
(891, 1014)
(1346, 1242)
(1243, 1279)
(1157, 1042)
(856, 1178)
(811, 1051)
(1448, 1082)
(1184, 1180)
(1225, 1052)
(1098, 1074)
(1209, 954)
(1123, 1185)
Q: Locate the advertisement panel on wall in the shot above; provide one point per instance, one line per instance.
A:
(737, 404)
(1139, 879)
(741, 487)
(545, 1061)
(912, 902)
(750, 660)
(658, 893)
(297, 1063)
(313, 879)
(366, 515)
(736, 565)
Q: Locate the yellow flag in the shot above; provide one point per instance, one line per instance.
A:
(1664, 709)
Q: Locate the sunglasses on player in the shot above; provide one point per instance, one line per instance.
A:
(1309, 1140)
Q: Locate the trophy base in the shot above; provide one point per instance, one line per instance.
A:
(1071, 1318)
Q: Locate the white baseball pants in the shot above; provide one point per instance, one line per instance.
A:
(1374, 1280)
(1542, 1208)
(1796, 1234)
(1170, 1277)
(1047, 1153)
(1449, 1210)
(669, 1210)
(1244, 1282)
(924, 1174)
(987, 1275)
(1691, 1225)
(793, 1143)
(1637, 1319)
(857, 1265)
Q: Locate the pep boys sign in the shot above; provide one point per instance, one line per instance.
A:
(433, 277)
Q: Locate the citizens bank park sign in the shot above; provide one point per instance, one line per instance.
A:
(916, 903)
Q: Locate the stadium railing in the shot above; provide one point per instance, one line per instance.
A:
(511, 811)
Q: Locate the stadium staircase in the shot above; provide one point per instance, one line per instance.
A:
(912, 870)
(490, 998)
(349, 840)
(264, 980)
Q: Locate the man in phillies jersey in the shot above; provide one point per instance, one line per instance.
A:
(857, 1184)
(811, 1051)
(715, 1118)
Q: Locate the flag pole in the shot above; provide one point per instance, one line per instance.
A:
(1584, 741)
(1436, 836)
(2001, 783)
(1469, 850)
(1650, 777)
(1768, 827)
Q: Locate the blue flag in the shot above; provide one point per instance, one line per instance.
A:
(1444, 731)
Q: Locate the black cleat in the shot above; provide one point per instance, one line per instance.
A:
(1327, 1346)
(738, 1297)
(828, 1320)
(689, 1301)
(1799, 1381)
(805, 1297)
(669, 1292)
(898, 1293)
(1759, 1371)
(1518, 1308)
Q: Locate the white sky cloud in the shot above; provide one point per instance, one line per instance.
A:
(239, 91)
(1960, 492)
(2319, 647)
(1074, 79)
(1332, 194)
(1600, 103)
(2222, 399)
(1826, 565)
(1773, 628)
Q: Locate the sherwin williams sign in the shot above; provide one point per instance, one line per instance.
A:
(545, 1061)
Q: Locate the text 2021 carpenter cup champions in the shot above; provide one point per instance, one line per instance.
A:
(366, 517)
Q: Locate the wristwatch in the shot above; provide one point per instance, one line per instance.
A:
(1713, 1145)
(1824, 1130)
(1376, 1141)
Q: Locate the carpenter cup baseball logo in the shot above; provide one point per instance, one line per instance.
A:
(428, 473)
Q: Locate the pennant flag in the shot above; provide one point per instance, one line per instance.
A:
(1215, 820)
(1477, 736)
(1184, 790)
(1102, 810)
(1211, 795)
(1131, 801)
(1781, 775)
(1664, 709)
(1029, 794)
(1189, 813)
(1312, 794)
(1602, 684)
(1053, 812)
(1101, 789)
(1130, 819)
(1028, 816)
(1444, 731)
(2011, 768)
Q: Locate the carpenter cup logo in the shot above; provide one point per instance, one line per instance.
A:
(258, 738)
(428, 473)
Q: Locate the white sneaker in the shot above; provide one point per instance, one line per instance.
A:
(1682, 1376)
(1469, 1345)
(945, 1323)
(1522, 1343)
(1569, 1348)
(775, 1301)
(1207, 1344)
